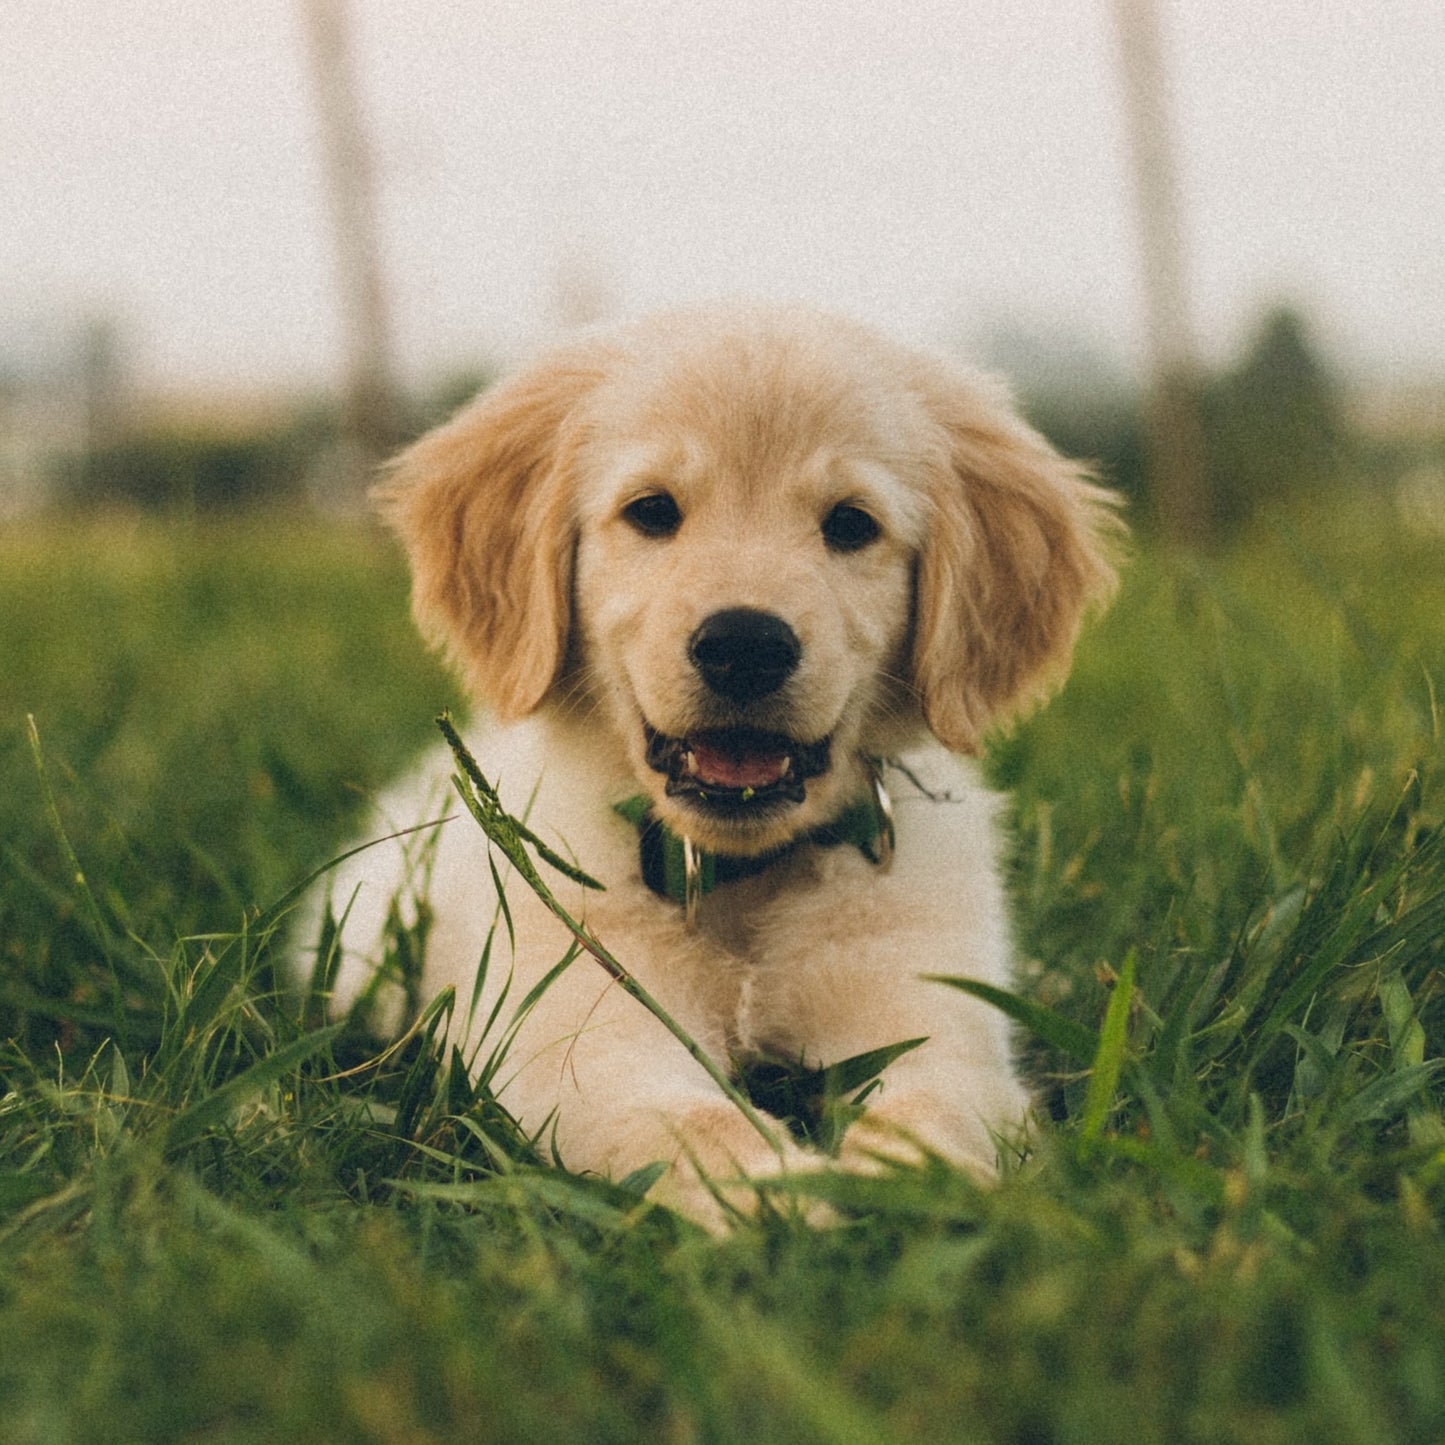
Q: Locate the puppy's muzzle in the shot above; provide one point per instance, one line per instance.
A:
(744, 654)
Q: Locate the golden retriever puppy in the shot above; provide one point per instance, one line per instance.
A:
(724, 583)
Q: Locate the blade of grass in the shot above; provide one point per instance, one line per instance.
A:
(94, 917)
(548, 855)
(191, 1123)
(1386, 1094)
(1109, 1058)
(1072, 1040)
(852, 1073)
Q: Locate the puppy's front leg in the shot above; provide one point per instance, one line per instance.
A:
(617, 1091)
(858, 984)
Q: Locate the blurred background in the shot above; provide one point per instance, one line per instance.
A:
(246, 249)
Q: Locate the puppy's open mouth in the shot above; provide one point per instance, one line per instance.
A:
(736, 767)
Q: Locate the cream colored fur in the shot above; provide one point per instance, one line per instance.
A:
(571, 628)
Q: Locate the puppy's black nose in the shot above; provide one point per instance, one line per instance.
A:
(744, 654)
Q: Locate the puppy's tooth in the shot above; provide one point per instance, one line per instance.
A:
(689, 763)
(787, 771)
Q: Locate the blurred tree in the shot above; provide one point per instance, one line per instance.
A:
(197, 466)
(1174, 433)
(1276, 422)
(373, 410)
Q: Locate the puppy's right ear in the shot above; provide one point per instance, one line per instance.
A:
(484, 506)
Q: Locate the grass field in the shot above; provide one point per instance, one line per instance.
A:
(218, 1223)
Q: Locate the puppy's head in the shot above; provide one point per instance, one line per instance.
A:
(756, 548)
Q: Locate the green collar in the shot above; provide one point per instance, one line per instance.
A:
(674, 867)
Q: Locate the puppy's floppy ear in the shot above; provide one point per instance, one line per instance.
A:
(1020, 543)
(484, 507)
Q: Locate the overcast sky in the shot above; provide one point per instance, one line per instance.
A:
(940, 167)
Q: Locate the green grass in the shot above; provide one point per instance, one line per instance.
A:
(220, 1220)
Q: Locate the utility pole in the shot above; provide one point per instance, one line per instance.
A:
(1175, 431)
(372, 417)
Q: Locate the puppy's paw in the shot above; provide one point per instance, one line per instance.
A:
(716, 1159)
(910, 1127)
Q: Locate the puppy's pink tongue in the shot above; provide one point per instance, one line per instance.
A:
(725, 769)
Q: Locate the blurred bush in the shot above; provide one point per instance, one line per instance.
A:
(201, 464)
(183, 467)
(1275, 424)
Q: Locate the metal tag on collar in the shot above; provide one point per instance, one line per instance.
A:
(883, 844)
(691, 881)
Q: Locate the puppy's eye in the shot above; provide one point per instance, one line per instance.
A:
(655, 515)
(849, 529)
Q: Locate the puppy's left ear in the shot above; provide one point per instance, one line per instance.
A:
(483, 505)
(1020, 544)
